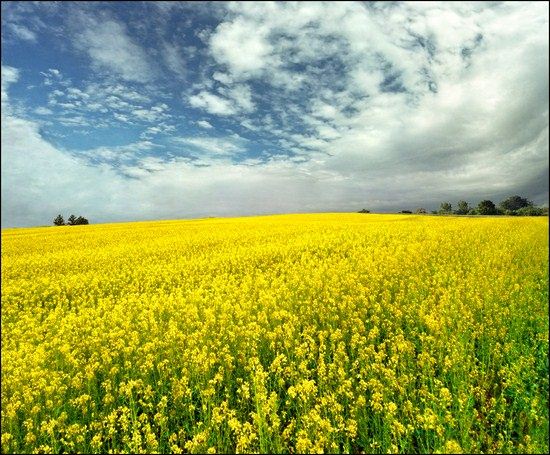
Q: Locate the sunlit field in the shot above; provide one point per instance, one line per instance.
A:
(298, 333)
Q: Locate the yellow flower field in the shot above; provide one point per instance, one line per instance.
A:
(294, 333)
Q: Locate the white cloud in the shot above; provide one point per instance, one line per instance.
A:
(22, 32)
(241, 45)
(68, 105)
(204, 124)
(117, 102)
(242, 96)
(213, 145)
(224, 78)
(122, 118)
(173, 59)
(119, 90)
(10, 75)
(73, 120)
(160, 128)
(75, 93)
(452, 60)
(43, 111)
(212, 103)
(111, 49)
(249, 125)
(120, 153)
(153, 114)
(236, 99)
(53, 77)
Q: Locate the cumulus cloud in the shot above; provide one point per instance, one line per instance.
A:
(430, 97)
(241, 46)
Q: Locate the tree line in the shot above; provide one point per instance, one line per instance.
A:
(512, 206)
(71, 221)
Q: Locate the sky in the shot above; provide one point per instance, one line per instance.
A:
(123, 111)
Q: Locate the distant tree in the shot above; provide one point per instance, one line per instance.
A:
(463, 208)
(59, 221)
(486, 207)
(71, 221)
(81, 220)
(473, 211)
(515, 203)
(434, 212)
(364, 211)
(530, 211)
(405, 211)
(420, 210)
(445, 207)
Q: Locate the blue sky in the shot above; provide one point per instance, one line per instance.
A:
(125, 111)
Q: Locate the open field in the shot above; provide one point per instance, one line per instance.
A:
(294, 333)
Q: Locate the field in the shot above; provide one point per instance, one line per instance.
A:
(295, 333)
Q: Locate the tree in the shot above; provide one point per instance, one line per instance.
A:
(486, 207)
(59, 221)
(530, 211)
(364, 211)
(81, 220)
(420, 210)
(463, 208)
(445, 207)
(71, 221)
(515, 203)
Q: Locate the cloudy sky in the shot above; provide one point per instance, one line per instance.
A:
(158, 110)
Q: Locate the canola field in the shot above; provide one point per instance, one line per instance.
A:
(334, 333)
